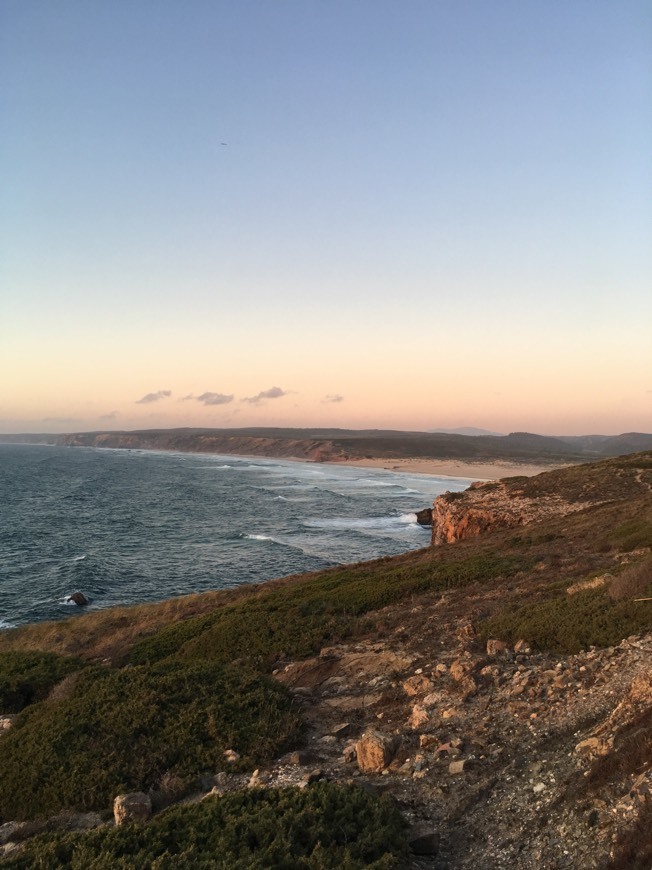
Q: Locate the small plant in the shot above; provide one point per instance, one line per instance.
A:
(633, 582)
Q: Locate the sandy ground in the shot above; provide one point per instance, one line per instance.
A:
(453, 467)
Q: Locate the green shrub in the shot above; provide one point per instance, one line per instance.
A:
(323, 826)
(124, 730)
(569, 623)
(298, 619)
(26, 677)
(633, 534)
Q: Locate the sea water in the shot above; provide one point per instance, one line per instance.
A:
(130, 526)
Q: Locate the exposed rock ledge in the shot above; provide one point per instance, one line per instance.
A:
(517, 501)
(486, 507)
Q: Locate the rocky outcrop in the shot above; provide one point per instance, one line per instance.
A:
(495, 505)
(133, 807)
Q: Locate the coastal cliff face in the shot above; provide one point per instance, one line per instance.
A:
(315, 450)
(518, 501)
(485, 507)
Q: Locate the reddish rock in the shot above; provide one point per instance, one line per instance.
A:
(374, 751)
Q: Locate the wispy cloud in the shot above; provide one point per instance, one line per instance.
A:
(215, 398)
(272, 393)
(154, 397)
(333, 398)
(110, 416)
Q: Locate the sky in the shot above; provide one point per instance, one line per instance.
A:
(359, 213)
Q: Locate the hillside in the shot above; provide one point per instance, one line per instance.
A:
(334, 445)
(496, 691)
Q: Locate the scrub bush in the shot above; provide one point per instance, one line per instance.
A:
(26, 677)
(126, 730)
(322, 827)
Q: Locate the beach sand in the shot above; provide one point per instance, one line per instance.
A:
(453, 467)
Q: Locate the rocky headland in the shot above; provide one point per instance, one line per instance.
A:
(496, 686)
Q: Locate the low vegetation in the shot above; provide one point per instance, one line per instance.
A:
(296, 620)
(124, 730)
(26, 677)
(324, 826)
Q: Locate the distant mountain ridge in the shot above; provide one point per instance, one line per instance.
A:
(333, 445)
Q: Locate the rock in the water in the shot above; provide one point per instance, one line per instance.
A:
(133, 807)
(374, 751)
(79, 599)
(424, 517)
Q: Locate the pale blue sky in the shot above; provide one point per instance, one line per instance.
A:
(456, 189)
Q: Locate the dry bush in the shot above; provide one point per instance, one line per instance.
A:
(634, 582)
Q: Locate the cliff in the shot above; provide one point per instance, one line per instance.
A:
(519, 501)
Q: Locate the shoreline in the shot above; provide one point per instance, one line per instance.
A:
(487, 470)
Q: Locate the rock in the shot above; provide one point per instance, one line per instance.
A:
(593, 747)
(424, 517)
(417, 685)
(78, 598)
(461, 668)
(427, 741)
(424, 843)
(419, 717)
(349, 753)
(299, 759)
(342, 730)
(522, 646)
(495, 647)
(133, 807)
(231, 755)
(456, 767)
(6, 722)
(9, 830)
(374, 751)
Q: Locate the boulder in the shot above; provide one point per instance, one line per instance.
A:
(133, 807)
(374, 751)
(79, 599)
(419, 717)
(495, 647)
(424, 517)
(417, 684)
(6, 722)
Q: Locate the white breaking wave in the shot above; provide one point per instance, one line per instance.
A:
(4, 624)
(258, 537)
(79, 558)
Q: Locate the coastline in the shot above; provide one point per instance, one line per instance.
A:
(453, 467)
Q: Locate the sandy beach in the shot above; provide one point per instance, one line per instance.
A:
(453, 467)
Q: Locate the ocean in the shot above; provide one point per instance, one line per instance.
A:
(131, 526)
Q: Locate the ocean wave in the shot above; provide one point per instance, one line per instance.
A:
(362, 523)
(4, 625)
(79, 558)
(258, 537)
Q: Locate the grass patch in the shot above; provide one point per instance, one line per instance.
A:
(126, 730)
(567, 624)
(324, 826)
(26, 677)
(298, 619)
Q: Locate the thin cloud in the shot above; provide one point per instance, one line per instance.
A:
(214, 398)
(110, 416)
(272, 393)
(154, 397)
(333, 398)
